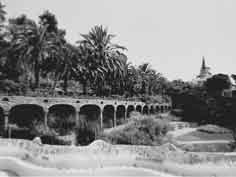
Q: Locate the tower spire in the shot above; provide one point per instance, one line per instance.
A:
(203, 63)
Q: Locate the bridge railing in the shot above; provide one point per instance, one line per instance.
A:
(161, 99)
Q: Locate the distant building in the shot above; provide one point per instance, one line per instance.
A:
(231, 92)
(204, 73)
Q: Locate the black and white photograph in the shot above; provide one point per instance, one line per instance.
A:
(118, 88)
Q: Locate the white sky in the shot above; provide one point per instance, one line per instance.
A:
(172, 35)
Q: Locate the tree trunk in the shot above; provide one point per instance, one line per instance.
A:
(36, 74)
(65, 85)
(55, 83)
(37, 79)
(84, 83)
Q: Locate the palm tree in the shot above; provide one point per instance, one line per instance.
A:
(3, 42)
(149, 78)
(89, 71)
(102, 56)
(115, 77)
(69, 64)
(132, 80)
(144, 71)
(2, 12)
(33, 44)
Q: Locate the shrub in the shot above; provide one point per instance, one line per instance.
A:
(141, 130)
(54, 140)
(87, 131)
(47, 135)
(12, 87)
(155, 99)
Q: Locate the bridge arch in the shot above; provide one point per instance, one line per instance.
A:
(157, 108)
(152, 109)
(130, 109)
(120, 114)
(2, 120)
(108, 116)
(145, 109)
(90, 123)
(162, 108)
(139, 108)
(62, 118)
(26, 117)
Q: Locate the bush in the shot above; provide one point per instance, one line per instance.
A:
(155, 99)
(87, 131)
(47, 135)
(12, 87)
(141, 130)
(54, 140)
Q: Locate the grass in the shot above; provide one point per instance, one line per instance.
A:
(209, 128)
(208, 133)
(209, 147)
(204, 136)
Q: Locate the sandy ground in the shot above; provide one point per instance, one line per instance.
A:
(22, 168)
(3, 174)
(103, 159)
(98, 159)
(205, 142)
(181, 132)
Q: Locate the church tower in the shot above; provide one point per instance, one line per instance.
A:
(204, 71)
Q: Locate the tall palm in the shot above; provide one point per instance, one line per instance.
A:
(149, 78)
(32, 43)
(88, 71)
(132, 80)
(3, 34)
(145, 72)
(68, 64)
(102, 55)
(116, 75)
(2, 12)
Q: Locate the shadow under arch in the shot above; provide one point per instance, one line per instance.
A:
(130, 109)
(89, 124)
(152, 110)
(162, 109)
(166, 108)
(145, 109)
(62, 118)
(26, 117)
(108, 116)
(157, 109)
(120, 114)
(2, 121)
(139, 108)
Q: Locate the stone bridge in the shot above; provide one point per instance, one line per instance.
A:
(108, 113)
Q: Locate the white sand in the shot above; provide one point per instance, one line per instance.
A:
(99, 159)
(180, 132)
(22, 168)
(3, 174)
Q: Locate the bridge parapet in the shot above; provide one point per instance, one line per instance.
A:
(10, 101)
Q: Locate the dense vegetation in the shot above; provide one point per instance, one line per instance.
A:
(205, 103)
(36, 59)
